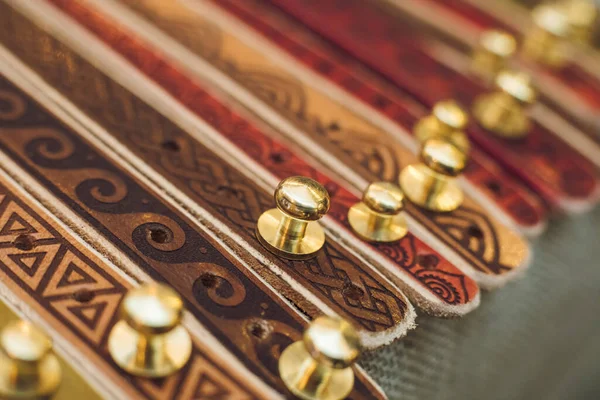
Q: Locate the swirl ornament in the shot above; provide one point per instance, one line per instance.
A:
(163, 234)
(474, 231)
(404, 254)
(441, 287)
(48, 147)
(219, 285)
(161, 239)
(12, 106)
(107, 189)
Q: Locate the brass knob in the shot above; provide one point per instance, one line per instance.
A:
(448, 120)
(581, 16)
(492, 52)
(149, 340)
(28, 368)
(504, 112)
(291, 230)
(547, 40)
(319, 367)
(377, 217)
(430, 184)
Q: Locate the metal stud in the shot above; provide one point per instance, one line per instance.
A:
(149, 340)
(377, 217)
(291, 230)
(581, 15)
(431, 184)
(492, 52)
(28, 368)
(448, 120)
(548, 38)
(319, 367)
(504, 111)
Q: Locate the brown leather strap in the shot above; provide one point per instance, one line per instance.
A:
(77, 295)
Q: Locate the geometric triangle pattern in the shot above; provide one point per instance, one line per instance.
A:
(165, 388)
(15, 221)
(92, 318)
(28, 262)
(88, 314)
(205, 381)
(29, 266)
(208, 388)
(16, 225)
(73, 274)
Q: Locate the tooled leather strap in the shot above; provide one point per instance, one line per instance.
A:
(338, 280)
(521, 208)
(543, 160)
(443, 288)
(492, 252)
(68, 288)
(225, 296)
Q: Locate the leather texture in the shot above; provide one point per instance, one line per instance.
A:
(225, 296)
(514, 347)
(212, 183)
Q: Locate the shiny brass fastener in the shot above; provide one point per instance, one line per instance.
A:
(377, 217)
(319, 367)
(448, 120)
(431, 184)
(149, 340)
(28, 368)
(490, 56)
(291, 230)
(504, 111)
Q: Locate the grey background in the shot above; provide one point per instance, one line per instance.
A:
(536, 338)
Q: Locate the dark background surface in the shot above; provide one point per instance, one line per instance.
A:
(536, 338)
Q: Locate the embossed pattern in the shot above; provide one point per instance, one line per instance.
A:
(281, 161)
(469, 232)
(226, 297)
(216, 185)
(547, 164)
(216, 291)
(48, 270)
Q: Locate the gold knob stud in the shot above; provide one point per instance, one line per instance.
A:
(504, 111)
(319, 367)
(448, 120)
(291, 230)
(490, 56)
(581, 16)
(377, 217)
(149, 340)
(431, 184)
(547, 40)
(28, 368)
